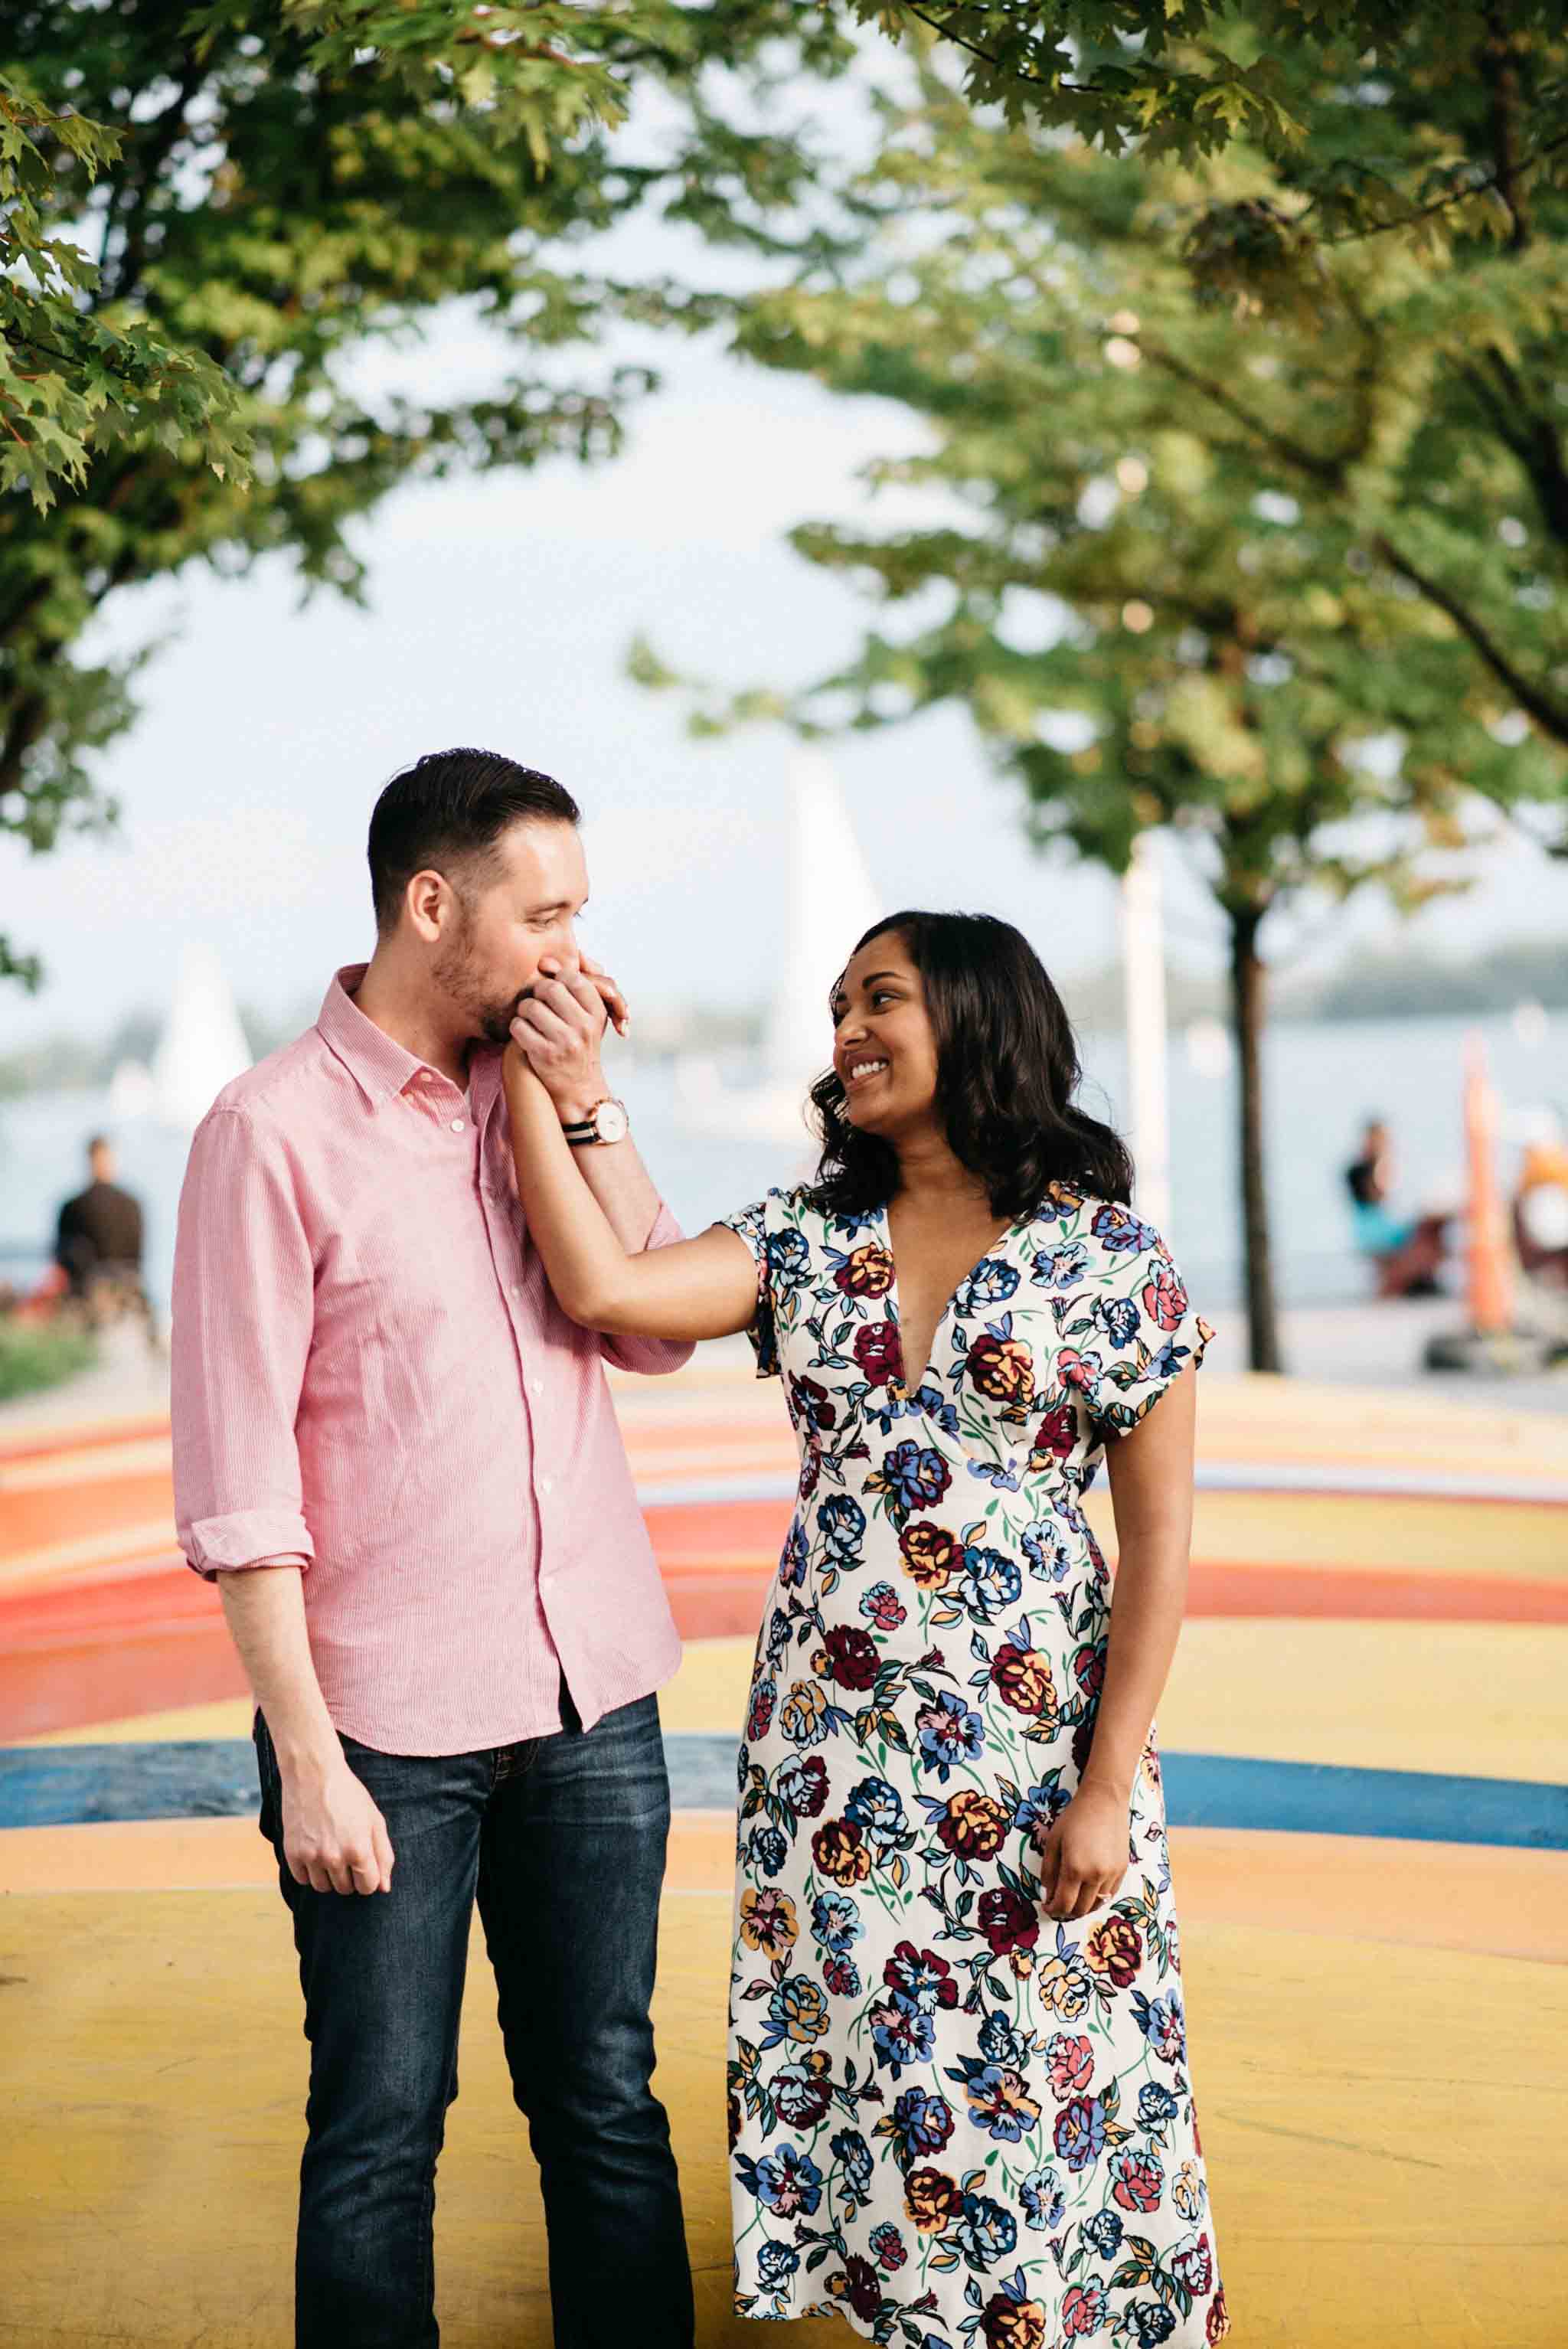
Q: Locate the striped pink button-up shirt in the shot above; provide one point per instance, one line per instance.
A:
(371, 1373)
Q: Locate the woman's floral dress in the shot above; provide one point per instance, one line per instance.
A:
(954, 2120)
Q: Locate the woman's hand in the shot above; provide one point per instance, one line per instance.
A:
(519, 1075)
(1084, 1853)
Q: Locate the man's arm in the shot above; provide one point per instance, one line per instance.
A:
(334, 1835)
(243, 1315)
(73, 1250)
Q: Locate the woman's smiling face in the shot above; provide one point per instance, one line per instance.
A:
(884, 1049)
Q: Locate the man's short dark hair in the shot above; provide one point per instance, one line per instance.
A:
(97, 1142)
(448, 811)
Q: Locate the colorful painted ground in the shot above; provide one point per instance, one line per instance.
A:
(1365, 1745)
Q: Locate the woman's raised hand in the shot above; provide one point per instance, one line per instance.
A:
(559, 1029)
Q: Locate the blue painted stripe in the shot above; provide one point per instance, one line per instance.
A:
(71, 1785)
(1236, 1790)
(62, 1786)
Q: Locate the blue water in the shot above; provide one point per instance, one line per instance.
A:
(1322, 1080)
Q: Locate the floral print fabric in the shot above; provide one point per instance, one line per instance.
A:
(954, 2120)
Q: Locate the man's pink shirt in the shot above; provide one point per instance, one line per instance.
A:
(371, 1374)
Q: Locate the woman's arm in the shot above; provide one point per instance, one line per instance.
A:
(1151, 1472)
(705, 1287)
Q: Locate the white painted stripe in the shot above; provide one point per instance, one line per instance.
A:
(1211, 1476)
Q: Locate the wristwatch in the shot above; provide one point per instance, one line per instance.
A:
(606, 1122)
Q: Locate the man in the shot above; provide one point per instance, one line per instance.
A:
(99, 1244)
(399, 1461)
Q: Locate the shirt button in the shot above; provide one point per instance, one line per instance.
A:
(457, 1125)
(547, 1483)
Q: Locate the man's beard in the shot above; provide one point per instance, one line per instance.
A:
(457, 972)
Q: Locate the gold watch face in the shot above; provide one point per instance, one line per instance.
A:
(611, 1122)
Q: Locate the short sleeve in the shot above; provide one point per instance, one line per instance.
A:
(751, 1225)
(1134, 1322)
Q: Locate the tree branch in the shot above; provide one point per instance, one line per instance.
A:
(1326, 470)
(1550, 714)
(1536, 441)
(1033, 81)
(162, 134)
(1500, 67)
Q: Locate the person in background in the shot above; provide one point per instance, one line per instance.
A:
(1407, 1250)
(99, 1244)
(1541, 1203)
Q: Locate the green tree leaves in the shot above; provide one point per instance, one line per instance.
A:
(70, 380)
(212, 212)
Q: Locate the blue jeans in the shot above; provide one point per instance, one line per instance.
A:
(563, 1840)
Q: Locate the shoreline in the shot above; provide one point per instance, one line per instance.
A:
(1377, 1344)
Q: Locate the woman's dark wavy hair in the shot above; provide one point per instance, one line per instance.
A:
(1007, 1071)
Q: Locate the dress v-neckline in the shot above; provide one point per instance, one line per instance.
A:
(896, 1298)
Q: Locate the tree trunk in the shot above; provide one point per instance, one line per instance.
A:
(1248, 1016)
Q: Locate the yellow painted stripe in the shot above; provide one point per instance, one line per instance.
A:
(94, 1466)
(1478, 1699)
(1439, 1537)
(55, 1562)
(1473, 1700)
(1384, 2170)
(1412, 1895)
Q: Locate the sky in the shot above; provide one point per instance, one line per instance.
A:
(499, 614)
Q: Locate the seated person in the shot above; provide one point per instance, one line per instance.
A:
(1407, 1250)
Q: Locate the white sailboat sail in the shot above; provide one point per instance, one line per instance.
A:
(829, 900)
(202, 1046)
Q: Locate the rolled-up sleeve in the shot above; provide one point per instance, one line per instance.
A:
(654, 1357)
(242, 1315)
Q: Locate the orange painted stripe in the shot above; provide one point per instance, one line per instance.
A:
(42, 1444)
(45, 1514)
(1372, 1594)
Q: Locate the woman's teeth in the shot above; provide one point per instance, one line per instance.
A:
(859, 1069)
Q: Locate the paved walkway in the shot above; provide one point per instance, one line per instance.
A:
(1374, 1918)
(1378, 1344)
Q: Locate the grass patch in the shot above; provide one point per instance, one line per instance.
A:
(33, 1357)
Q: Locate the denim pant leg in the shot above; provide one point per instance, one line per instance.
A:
(383, 1981)
(571, 1866)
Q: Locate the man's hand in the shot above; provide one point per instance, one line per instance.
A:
(559, 1029)
(335, 1838)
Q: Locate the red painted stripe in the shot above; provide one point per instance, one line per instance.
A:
(155, 1637)
(1373, 1594)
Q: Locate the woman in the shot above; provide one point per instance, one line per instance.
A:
(958, 2094)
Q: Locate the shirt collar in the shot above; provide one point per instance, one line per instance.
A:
(379, 1065)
